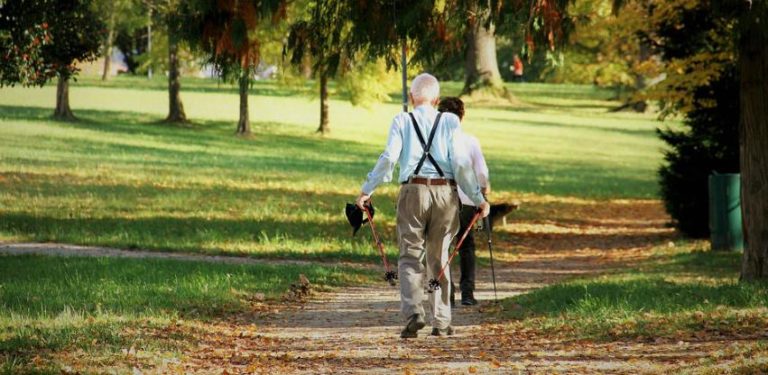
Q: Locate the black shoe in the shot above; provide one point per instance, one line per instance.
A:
(415, 323)
(468, 299)
(442, 332)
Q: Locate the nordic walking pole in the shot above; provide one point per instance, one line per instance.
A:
(434, 284)
(404, 76)
(389, 275)
(487, 223)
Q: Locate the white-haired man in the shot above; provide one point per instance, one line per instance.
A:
(433, 159)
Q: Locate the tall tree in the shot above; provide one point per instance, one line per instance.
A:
(746, 19)
(168, 15)
(124, 16)
(224, 30)
(72, 30)
(175, 105)
(323, 37)
(481, 70)
(753, 70)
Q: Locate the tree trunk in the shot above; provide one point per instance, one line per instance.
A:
(481, 69)
(306, 66)
(632, 102)
(244, 125)
(175, 106)
(108, 47)
(63, 112)
(753, 69)
(324, 126)
(149, 42)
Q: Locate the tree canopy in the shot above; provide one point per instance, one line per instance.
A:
(44, 38)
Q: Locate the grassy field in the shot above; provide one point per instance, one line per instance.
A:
(681, 296)
(678, 294)
(106, 306)
(118, 178)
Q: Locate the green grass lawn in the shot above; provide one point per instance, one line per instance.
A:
(91, 304)
(685, 294)
(119, 178)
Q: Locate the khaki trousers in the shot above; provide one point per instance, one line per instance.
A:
(427, 220)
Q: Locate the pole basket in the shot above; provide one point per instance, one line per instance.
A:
(390, 277)
(433, 285)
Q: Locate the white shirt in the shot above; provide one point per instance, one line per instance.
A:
(448, 149)
(478, 165)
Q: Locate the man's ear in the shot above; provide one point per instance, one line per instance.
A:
(436, 102)
(410, 99)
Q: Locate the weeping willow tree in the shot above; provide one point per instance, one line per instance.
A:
(224, 31)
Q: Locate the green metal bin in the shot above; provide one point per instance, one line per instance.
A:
(725, 212)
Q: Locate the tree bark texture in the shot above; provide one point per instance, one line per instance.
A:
(63, 111)
(306, 66)
(324, 123)
(481, 69)
(753, 68)
(175, 106)
(108, 47)
(244, 125)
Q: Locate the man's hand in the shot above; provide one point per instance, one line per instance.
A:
(360, 202)
(485, 208)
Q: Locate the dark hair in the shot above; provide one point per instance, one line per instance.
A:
(453, 105)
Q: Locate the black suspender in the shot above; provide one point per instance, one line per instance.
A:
(426, 145)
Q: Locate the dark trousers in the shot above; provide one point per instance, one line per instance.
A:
(467, 250)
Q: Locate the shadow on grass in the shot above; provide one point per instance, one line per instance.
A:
(137, 140)
(39, 286)
(571, 179)
(675, 286)
(139, 137)
(268, 238)
(213, 219)
(52, 303)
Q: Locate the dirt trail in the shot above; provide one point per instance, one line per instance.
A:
(356, 329)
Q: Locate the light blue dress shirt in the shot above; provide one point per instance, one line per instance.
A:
(448, 149)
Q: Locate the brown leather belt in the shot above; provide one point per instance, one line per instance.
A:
(430, 181)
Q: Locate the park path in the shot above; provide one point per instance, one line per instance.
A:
(356, 329)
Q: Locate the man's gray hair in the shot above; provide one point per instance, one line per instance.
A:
(425, 88)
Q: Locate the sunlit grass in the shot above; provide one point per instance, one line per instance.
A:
(104, 306)
(120, 178)
(684, 295)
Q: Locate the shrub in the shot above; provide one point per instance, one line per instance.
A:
(709, 143)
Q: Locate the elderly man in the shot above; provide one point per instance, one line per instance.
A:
(433, 158)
